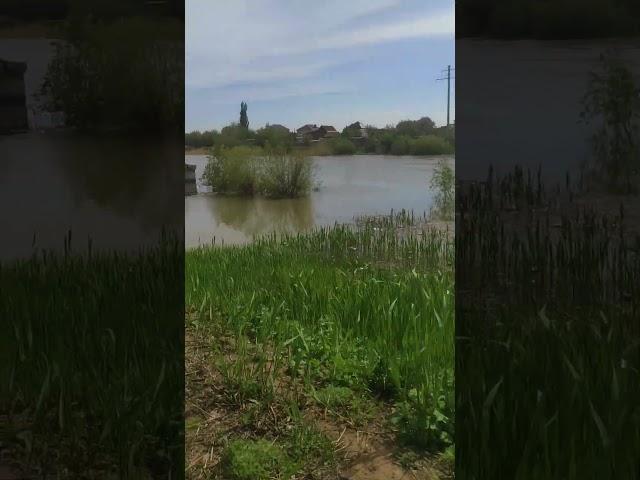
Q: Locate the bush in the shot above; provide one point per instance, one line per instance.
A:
(285, 176)
(199, 139)
(342, 146)
(233, 135)
(430, 145)
(372, 145)
(232, 171)
(251, 171)
(443, 181)
(415, 128)
(273, 136)
(401, 145)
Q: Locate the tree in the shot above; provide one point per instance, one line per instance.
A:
(612, 100)
(352, 130)
(415, 128)
(244, 119)
(274, 136)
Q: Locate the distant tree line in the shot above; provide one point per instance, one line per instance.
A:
(235, 135)
(547, 19)
(408, 137)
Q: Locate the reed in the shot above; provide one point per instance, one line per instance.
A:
(361, 308)
(547, 334)
(91, 361)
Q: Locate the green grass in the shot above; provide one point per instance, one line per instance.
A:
(341, 310)
(91, 361)
(256, 460)
(548, 348)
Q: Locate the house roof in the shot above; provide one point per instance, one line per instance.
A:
(328, 128)
(278, 126)
(308, 126)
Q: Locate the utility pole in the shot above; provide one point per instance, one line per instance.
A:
(448, 79)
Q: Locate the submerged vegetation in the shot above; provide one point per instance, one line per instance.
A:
(353, 321)
(270, 172)
(547, 338)
(91, 362)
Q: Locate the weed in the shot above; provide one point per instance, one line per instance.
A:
(256, 460)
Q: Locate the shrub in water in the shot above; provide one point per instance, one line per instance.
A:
(247, 170)
(285, 175)
(443, 182)
(232, 171)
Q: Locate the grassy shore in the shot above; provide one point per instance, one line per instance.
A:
(329, 353)
(547, 334)
(91, 362)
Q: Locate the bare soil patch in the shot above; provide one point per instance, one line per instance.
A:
(215, 416)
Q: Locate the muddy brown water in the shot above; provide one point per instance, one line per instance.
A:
(522, 103)
(120, 193)
(348, 186)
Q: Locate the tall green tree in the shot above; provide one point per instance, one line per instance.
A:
(612, 102)
(244, 119)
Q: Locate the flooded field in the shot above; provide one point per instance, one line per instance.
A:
(496, 78)
(347, 186)
(106, 189)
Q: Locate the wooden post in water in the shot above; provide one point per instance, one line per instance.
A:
(190, 186)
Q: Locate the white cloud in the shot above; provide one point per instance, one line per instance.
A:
(210, 76)
(276, 91)
(427, 26)
(273, 40)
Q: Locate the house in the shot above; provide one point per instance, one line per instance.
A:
(13, 102)
(312, 132)
(356, 131)
(306, 129)
(305, 132)
(279, 128)
(327, 131)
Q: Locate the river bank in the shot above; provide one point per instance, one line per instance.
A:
(310, 363)
(548, 315)
(64, 414)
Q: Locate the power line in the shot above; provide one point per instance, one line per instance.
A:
(448, 78)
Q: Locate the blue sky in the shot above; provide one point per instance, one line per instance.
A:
(326, 62)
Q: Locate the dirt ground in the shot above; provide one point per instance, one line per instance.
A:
(213, 418)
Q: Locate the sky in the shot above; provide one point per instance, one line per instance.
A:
(329, 62)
